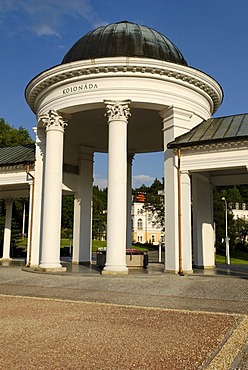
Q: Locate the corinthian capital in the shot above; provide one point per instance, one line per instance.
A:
(52, 120)
(117, 110)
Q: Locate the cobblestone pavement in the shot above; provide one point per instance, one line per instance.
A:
(138, 321)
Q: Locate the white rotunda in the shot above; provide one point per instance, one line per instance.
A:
(121, 89)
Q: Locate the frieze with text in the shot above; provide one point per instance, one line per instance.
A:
(78, 88)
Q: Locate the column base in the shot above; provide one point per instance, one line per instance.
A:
(51, 269)
(185, 272)
(45, 267)
(5, 259)
(204, 267)
(115, 270)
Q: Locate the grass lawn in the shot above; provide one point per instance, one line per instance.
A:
(236, 257)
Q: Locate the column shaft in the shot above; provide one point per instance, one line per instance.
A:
(38, 194)
(176, 121)
(186, 222)
(117, 188)
(171, 213)
(7, 229)
(30, 223)
(51, 224)
(203, 230)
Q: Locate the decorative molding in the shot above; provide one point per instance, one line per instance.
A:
(140, 67)
(222, 158)
(117, 110)
(212, 146)
(52, 120)
(15, 167)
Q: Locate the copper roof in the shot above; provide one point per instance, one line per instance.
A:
(214, 130)
(22, 154)
(124, 39)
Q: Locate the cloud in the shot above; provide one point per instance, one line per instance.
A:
(139, 180)
(46, 17)
(101, 182)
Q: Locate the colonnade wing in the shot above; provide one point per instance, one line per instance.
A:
(221, 165)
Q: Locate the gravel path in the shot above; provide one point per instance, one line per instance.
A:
(53, 334)
(132, 322)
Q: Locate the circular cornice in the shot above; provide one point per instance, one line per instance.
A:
(125, 67)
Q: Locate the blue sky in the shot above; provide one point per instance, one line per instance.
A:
(35, 35)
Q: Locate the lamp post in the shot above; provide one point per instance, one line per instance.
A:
(226, 238)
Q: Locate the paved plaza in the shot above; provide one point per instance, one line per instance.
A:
(145, 320)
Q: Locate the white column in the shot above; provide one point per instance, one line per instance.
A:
(30, 222)
(175, 122)
(117, 113)
(82, 232)
(203, 229)
(7, 230)
(129, 200)
(35, 240)
(186, 222)
(171, 213)
(51, 215)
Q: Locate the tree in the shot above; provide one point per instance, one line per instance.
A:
(241, 233)
(10, 136)
(67, 215)
(99, 213)
(236, 228)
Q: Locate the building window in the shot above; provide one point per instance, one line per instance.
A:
(153, 238)
(140, 224)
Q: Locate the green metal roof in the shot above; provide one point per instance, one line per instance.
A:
(124, 39)
(23, 154)
(214, 130)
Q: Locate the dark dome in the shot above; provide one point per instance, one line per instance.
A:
(124, 39)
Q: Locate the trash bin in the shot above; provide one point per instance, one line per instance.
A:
(145, 260)
(101, 258)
